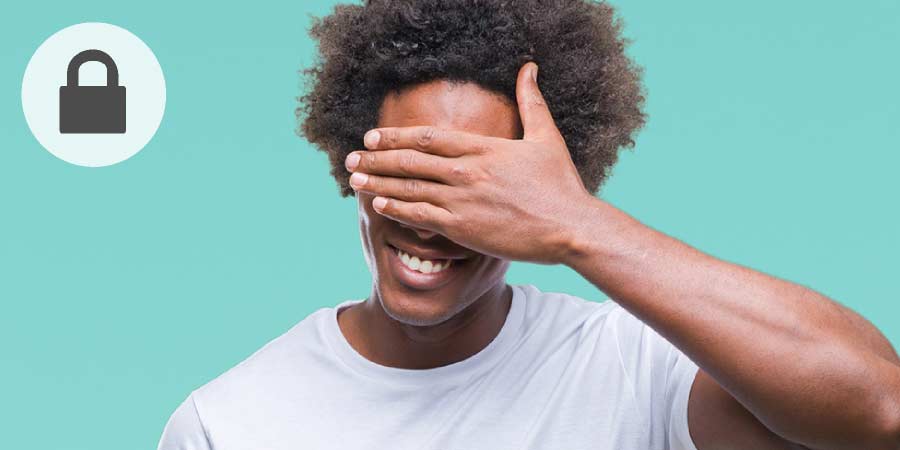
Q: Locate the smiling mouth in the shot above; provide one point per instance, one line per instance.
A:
(423, 265)
(420, 273)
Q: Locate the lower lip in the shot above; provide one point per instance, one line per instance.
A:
(418, 280)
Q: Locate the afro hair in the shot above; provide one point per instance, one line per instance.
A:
(591, 87)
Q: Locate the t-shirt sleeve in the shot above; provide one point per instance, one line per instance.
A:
(662, 377)
(184, 431)
(678, 388)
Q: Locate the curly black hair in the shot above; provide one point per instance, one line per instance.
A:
(592, 88)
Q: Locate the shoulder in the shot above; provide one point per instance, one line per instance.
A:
(561, 310)
(554, 305)
(251, 386)
(271, 365)
(184, 430)
(554, 318)
(604, 325)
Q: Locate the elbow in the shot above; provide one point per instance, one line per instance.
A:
(889, 435)
(891, 439)
(877, 430)
(894, 433)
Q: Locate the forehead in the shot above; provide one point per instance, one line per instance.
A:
(445, 104)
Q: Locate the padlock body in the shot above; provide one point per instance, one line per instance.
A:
(92, 109)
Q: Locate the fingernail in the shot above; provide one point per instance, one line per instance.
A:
(534, 73)
(371, 139)
(358, 179)
(352, 161)
(379, 203)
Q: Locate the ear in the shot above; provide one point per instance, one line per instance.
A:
(537, 122)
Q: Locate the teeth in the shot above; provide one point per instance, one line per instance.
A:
(422, 265)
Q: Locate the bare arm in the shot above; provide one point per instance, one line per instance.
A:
(811, 371)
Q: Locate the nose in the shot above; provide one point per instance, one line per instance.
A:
(422, 233)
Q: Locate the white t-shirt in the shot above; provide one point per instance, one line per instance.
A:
(563, 373)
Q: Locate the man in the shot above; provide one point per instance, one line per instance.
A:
(455, 181)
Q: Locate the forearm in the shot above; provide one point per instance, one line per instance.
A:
(809, 369)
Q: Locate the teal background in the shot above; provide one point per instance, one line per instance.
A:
(772, 142)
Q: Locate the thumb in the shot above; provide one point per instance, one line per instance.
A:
(537, 122)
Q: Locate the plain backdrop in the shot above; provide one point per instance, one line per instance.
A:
(772, 142)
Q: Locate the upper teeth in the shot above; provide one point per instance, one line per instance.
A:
(422, 265)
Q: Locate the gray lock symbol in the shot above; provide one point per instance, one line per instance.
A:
(92, 109)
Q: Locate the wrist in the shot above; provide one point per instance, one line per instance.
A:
(598, 230)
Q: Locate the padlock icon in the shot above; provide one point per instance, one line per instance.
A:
(92, 109)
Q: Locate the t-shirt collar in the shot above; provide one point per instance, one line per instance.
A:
(458, 372)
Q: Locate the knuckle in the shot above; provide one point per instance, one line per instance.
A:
(420, 213)
(480, 148)
(426, 136)
(373, 183)
(407, 162)
(388, 138)
(411, 186)
(536, 101)
(462, 174)
(368, 160)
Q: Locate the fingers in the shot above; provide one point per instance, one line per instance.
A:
(537, 122)
(429, 139)
(409, 189)
(416, 214)
(402, 163)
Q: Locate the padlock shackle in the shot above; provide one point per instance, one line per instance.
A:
(112, 72)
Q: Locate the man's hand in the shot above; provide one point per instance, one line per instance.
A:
(511, 199)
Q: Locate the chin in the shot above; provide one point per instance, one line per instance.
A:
(416, 308)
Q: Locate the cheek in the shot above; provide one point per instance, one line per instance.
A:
(372, 227)
(368, 229)
(364, 204)
(371, 222)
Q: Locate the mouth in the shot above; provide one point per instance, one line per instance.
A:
(419, 272)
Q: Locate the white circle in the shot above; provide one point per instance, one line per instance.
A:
(139, 72)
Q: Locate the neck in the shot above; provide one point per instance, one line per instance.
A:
(388, 342)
